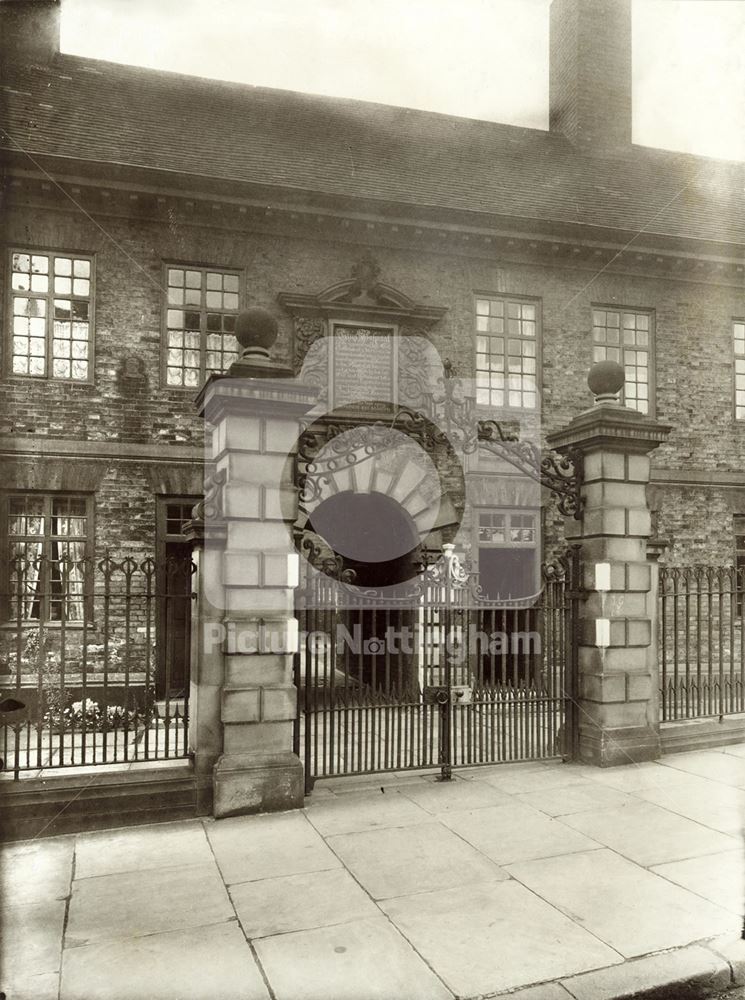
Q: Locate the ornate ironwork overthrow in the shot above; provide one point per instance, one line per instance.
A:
(456, 414)
(562, 474)
(443, 418)
(348, 444)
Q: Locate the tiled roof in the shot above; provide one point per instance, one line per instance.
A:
(111, 114)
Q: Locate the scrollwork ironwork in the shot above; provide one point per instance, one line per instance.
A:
(445, 417)
(321, 558)
(560, 473)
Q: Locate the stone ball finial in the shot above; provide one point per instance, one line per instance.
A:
(606, 379)
(256, 330)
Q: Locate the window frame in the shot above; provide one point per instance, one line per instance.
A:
(50, 296)
(204, 268)
(508, 513)
(651, 348)
(506, 298)
(738, 532)
(5, 546)
(162, 535)
(736, 320)
(537, 545)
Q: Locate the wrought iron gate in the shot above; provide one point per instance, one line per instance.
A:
(431, 674)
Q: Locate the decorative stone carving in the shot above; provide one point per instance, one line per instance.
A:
(361, 299)
(365, 273)
(308, 329)
(132, 372)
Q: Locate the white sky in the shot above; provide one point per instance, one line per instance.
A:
(478, 58)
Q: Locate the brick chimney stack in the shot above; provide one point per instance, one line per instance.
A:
(29, 30)
(590, 74)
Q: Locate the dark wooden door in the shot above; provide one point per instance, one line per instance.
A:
(174, 599)
(176, 616)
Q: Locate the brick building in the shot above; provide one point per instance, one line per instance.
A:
(143, 210)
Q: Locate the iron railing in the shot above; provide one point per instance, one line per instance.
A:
(104, 677)
(702, 655)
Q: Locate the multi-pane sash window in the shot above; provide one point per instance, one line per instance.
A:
(507, 528)
(626, 337)
(200, 323)
(508, 553)
(48, 539)
(51, 315)
(177, 514)
(739, 530)
(506, 349)
(738, 341)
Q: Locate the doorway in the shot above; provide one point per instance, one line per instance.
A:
(173, 557)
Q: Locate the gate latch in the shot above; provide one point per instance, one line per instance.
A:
(437, 694)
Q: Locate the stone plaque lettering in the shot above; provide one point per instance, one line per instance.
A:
(363, 367)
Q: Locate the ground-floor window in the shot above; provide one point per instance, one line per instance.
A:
(48, 542)
(508, 554)
(739, 530)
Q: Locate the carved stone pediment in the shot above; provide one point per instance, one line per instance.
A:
(361, 298)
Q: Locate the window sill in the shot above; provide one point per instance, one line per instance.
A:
(48, 379)
(68, 626)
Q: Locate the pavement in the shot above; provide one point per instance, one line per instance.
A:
(555, 880)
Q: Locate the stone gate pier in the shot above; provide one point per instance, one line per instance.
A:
(245, 631)
(618, 712)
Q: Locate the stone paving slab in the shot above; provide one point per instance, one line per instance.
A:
(711, 764)
(132, 904)
(362, 960)
(267, 846)
(205, 963)
(167, 845)
(364, 810)
(30, 943)
(411, 859)
(436, 797)
(43, 987)
(586, 796)
(717, 806)
(648, 834)
(519, 833)
(634, 777)
(36, 871)
(532, 780)
(631, 909)
(300, 902)
(495, 937)
(719, 878)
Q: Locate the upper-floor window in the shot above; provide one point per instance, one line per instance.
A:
(200, 323)
(506, 352)
(738, 341)
(625, 336)
(51, 303)
(48, 538)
